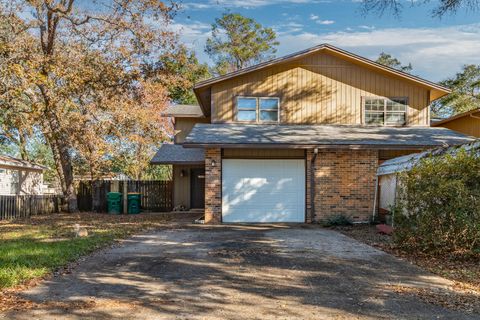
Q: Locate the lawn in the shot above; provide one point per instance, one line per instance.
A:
(32, 248)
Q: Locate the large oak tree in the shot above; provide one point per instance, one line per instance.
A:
(74, 72)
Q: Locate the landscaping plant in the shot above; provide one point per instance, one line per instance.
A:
(438, 206)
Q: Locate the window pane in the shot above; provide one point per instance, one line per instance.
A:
(268, 115)
(268, 103)
(397, 104)
(397, 118)
(246, 115)
(246, 103)
(373, 104)
(374, 117)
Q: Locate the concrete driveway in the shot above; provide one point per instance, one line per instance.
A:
(237, 272)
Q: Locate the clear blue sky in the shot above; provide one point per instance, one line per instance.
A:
(437, 48)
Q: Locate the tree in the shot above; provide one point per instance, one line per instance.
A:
(178, 71)
(238, 42)
(443, 7)
(75, 74)
(392, 62)
(465, 95)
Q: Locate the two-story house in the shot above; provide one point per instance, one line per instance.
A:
(298, 138)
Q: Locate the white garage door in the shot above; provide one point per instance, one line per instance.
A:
(263, 190)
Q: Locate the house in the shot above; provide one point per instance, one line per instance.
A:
(20, 177)
(298, 138)
(467, 123)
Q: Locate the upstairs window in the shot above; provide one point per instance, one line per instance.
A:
(257, 109)
(385, 111)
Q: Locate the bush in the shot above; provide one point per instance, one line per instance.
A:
(337, 220)
(438, 206)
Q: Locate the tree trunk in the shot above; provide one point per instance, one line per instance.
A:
(63, 161)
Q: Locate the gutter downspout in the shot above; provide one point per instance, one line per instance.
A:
(312, 184)
(375, 198)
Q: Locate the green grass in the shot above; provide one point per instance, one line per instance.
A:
(32, 248)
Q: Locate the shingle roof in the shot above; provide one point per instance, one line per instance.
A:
(405, 163)
(183, 110)
(176, 154)
(305, 136)
(19, 163)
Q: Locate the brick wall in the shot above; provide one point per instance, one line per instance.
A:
(213, 186)
(345, 183)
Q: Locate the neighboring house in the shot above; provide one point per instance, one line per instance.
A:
(298, 138)
(20, 177)
(467, 123)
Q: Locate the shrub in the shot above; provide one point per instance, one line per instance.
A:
(337, 220)
(438, 206)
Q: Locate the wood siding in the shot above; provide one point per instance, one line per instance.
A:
(181, 185)
(467, 125)
(263, 153)
(183, 126)
(319, 88)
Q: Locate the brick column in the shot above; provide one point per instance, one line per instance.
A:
(213, 186)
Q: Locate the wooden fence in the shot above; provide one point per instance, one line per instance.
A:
(12, 207)
(156, 195)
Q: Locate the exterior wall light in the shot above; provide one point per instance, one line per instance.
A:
(214, 163)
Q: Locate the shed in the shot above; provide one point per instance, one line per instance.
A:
(388, 171)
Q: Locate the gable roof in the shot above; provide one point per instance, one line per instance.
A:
(183, 110)
(318, 136)
(471, 113)
(9, 161)
(437, 91)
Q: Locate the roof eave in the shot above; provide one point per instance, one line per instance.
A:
(309, 146)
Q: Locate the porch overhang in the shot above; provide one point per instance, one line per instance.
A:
(321, 136)
(177, 154)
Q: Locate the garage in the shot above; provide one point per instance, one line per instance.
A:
(263, 190)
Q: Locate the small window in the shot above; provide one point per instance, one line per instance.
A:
(385, 111)
(253, 109)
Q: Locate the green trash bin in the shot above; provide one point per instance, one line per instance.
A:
(133, 203)
(114, 202)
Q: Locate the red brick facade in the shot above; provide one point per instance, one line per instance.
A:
(344, 184)
(213, 185)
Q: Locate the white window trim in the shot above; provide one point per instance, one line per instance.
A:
(257, 109)
(363, 100)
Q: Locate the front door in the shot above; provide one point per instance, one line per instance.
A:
(197, 188)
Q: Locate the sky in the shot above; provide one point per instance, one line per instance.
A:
(436, 47)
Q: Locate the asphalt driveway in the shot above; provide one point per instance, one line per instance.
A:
(237, 272)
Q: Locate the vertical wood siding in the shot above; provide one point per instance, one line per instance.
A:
(466, 125)
(319, 88)
(183, 126)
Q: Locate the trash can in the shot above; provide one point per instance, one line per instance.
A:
(114, 202)
(133, 203)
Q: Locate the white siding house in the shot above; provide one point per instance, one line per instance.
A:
(20, 177)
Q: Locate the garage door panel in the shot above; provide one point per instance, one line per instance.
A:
(263, 190)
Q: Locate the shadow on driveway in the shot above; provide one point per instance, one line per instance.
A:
(237, 272)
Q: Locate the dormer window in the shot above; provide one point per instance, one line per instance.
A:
(257, 109)
(385, 111)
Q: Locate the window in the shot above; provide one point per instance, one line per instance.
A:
(253, 109)
(385, 111)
